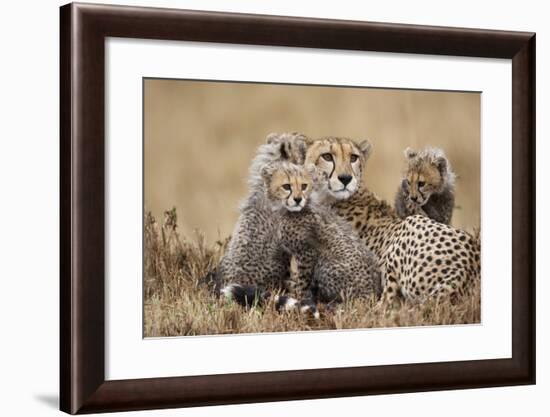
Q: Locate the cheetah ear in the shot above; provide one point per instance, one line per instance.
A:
(284, 148)
(300, 136)
(365, 147)
(272, 137)
(302, 150)
(410, 153)
(441, 164)
(290, 145)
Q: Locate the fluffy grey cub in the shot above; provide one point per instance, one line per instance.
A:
(253, 260)
(427, 186)
(333, 263)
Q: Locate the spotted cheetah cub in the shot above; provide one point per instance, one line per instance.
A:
(253, 261)
(333, 264)
(427, 186)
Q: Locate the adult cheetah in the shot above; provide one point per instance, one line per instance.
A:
(419, 257)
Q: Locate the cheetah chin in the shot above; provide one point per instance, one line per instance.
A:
(341, 194)
(294, 208)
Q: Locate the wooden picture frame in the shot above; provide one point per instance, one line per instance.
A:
(84, 29)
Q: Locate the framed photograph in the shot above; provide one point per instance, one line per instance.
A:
(263, 208)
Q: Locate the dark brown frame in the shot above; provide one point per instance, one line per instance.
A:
(84, 29)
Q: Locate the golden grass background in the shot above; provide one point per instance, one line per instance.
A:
(199, 138)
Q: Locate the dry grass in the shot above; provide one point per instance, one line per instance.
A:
(177, 305)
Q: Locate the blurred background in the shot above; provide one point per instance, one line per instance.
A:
(199, 138)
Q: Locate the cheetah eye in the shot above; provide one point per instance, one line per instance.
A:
(354, 158)
(327, 157)
(421, 184)
(304, 187)
(286, 187)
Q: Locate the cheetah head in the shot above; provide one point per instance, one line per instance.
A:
(288, 186)
(340, 163)
(427, 172)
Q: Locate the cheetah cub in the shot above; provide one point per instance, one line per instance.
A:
(427, 186)
(333, 264)
(253, 261)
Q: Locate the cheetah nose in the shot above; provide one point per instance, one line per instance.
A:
(414, 199)
(345, 179)
(298, 200)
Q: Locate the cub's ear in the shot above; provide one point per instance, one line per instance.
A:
(300, 143)
(441, 164)
(285, 150)
(272, 137)
(299, 136)
(410, 153)
(365, 147)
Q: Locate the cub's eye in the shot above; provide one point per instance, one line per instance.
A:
(421, 183)
(327, 156)
(286, 187)
(354, 158)
(304, 187)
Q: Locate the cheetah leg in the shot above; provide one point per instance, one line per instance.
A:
(450, 290)
(300, 281)
(300, 286)
(301, 275)
(390, 290)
